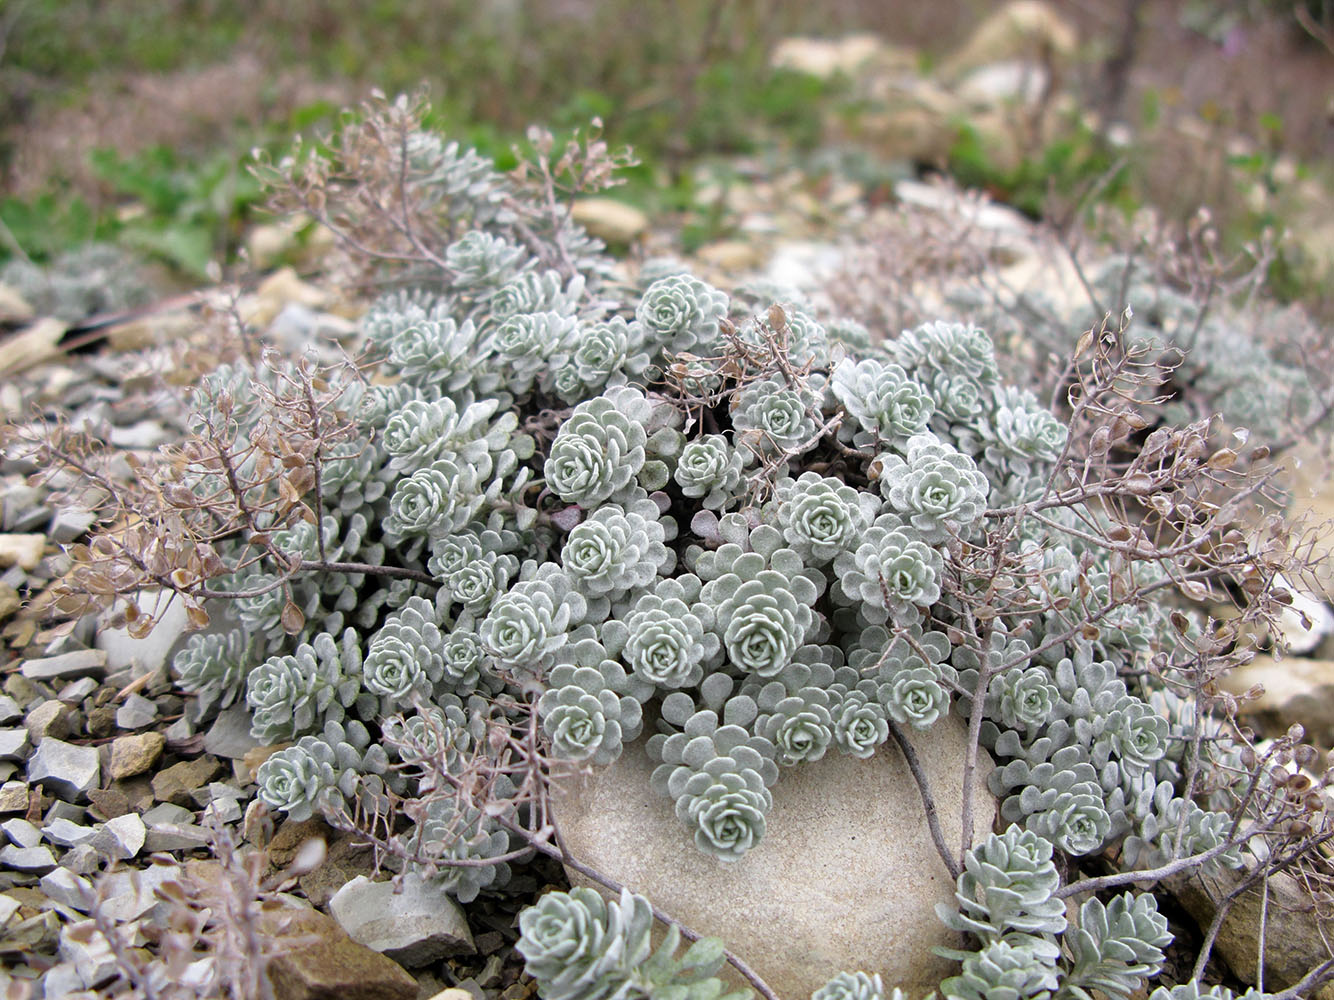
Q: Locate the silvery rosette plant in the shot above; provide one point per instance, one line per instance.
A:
(554, 515)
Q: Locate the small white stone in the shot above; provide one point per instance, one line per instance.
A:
(62, 980)
(8, 907)
(21, 833)
(84, 946)
(9, 709)
(136, 713)
(68, 770)
(79, 663)
(76, 691)
(151, 652)
(221, 811)
(64, 887)
(27, 859)
(121, 838)
(66, 833)
(13, 744)
(130, 893)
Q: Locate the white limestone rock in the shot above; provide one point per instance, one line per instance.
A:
(66, 833)
(130, 892)
(846, 877)
(84, 946)
(27, 859)
(21, 833)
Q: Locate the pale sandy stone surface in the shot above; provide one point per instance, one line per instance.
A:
(846, 877)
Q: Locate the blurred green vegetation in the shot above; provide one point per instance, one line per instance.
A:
(492, 68)
(681, 81)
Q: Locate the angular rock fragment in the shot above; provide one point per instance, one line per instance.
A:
(13, 797)
(131, 755)
(333, 965)
(84, 946)
(66, 769)
(136, 713)
(414, 927)
(21, 833)
(27, 859)
(68, 889)
(50, 718)
(79, 663)
(13, 744)
(65, 833)
(174, 784)
(120, 838)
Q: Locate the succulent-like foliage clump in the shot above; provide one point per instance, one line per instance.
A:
(579, 946)
(773, 419)
(854, 986)
(718, 774)
(599, 449)
(323, 772)
(681, 313)
(295, 694)
(821, 517)
(892, 573)
(1007, 886)
(936, 489)
(568, 503)
(710, 470)
(889, 407)
(213, 667)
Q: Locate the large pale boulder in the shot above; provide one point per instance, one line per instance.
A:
(850, 55)
(610, 220)
(1028, 30)
(153, 651)
(1295, 690)
(846, 877)
(910, 118)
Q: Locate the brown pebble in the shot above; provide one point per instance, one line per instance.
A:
(109, 802)
(131, 755)
(102, 722)
(174, 784)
